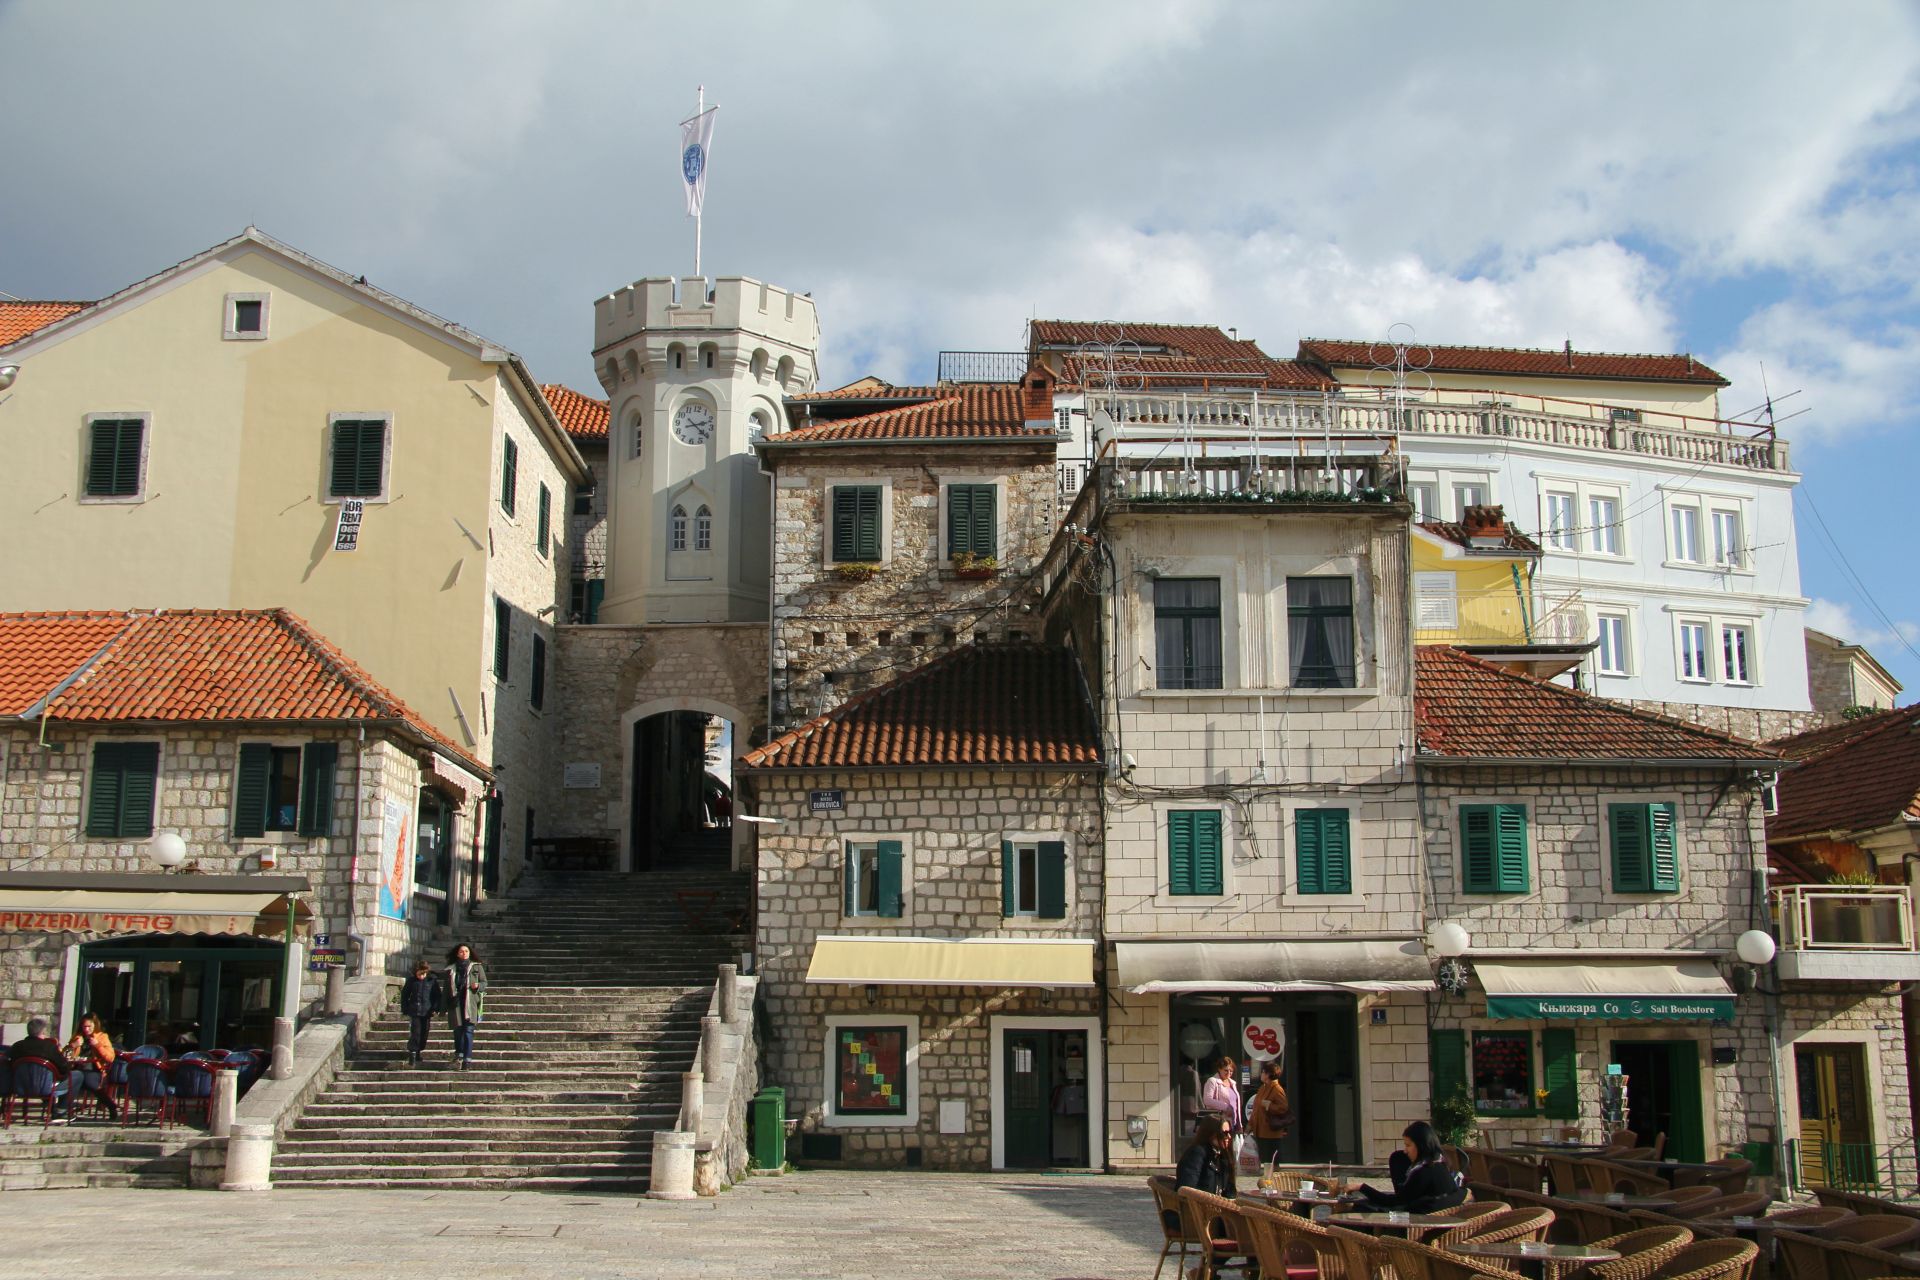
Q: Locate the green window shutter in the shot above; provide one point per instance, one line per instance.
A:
(317, 764)
(1477, 859)
(1447, 1060)
(113, 458)
(596, 592)
(1007, 902)
(544, 523)
(358, 456)
(1627, 847)
(250, 791)
(867, 528)
(1559, 1075)
(986, 526)
(373, 447)
(1053, 880)
(1664, 845)
(139, 776)
(502, 638)
(537, 680)
(509, 474)
(970, 519)
(890, 869)
(1180, 825)
(846, 520)
(1510, 848)
(1323, 852)
(1308, 863)
(103, 796)
(849, 860)
(126, 458)
(1207, 873)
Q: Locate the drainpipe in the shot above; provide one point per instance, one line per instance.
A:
(356, 939)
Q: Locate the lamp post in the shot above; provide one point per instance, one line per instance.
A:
(1449, 941)
(167, 850)
(8, 372)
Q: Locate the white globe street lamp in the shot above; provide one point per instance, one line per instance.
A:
(167, 850)
(1755, 947)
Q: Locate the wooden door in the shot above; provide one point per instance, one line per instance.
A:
(1835, 1135)
(1027, 1077)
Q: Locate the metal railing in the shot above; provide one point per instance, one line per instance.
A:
(1250, 417)
(982, 366)
(1844, 917)
(1887, 1169)
(1500, 616)
(1264, 478)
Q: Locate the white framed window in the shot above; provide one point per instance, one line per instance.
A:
(639, 435)
(1468, 493)
(1035, 877)
(874, 878)
(1425, 498)
(703, 529)
(1562, 522)
(1693, 652)
(870, 1070)
(1684, 522)
(1603, 524)
(245, 317)
(1612, 658)
(1736, 653)
(1436, 602)
(677, 529)
(1729, 544)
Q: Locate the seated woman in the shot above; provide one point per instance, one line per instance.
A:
(1428, 1184)
(1207, 1165)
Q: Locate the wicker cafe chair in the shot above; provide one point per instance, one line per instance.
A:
(1166, 1205)
(1622, 1139)
(1513, 1224)
(1592, 1221)
(1860, 1202)
(1729, 1176)
(1570, 1175)
(1880, 1230)
(1701, 1230)
(1280, 1250)
(1504, 1169)
(1634, 1183)
(1469, 1214)
(1710, 1260)
(1642, 1252)
(1809, 1257)
(1724, 1207)
(1810, 1218)
(1201, 1216)
(1691, 1195)
(1411, 1261)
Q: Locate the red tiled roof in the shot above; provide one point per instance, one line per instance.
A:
(1340, 353)
(987, 705)
(1201, 341)
(580, 416)
(1171, 355)
(1183, 371)
(1466, 708)
(18, 319)
(869, 389)
(1855, 776)
(1455, 532)
(191, 665)
(969, 411)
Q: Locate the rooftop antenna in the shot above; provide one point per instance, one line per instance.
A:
(1109, 366)
(1398, 363)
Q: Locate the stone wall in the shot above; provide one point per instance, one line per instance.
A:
(1754, 724)
(1871, 1018)
(587, 531)
(952, 825)
(834, 639)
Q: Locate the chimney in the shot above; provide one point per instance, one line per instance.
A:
(1485, 527)
(1036, 399)
(1569, 353)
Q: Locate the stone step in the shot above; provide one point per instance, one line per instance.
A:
(554, 1159)
(435, 1111)
(88, 1180)
(414, 1174)
(563, 1140)
(384, 1126)
(380, 1179)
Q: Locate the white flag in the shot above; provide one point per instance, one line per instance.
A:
(696, 147)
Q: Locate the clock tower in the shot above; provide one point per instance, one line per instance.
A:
(694, 370)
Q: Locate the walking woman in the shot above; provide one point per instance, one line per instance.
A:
(420, 999)
(466, 989)
(1221, 1096)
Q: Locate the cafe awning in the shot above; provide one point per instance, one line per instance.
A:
(1606, 990)
(946, 962)
(123, 911)
(1378, 964)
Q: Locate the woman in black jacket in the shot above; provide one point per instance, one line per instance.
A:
(420, 999)
(1208, 1164)
(1429, 1184)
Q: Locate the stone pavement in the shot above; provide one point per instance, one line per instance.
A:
(885, 1226)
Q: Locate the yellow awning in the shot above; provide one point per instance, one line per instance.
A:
(120, 911)
(946, 962)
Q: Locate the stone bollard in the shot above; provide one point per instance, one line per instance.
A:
(226, 1096)
(672, 1176)
(249, 1158)
(336, 989)
(710, 1029)
(282, 1067)
(729, 994)
(693, 1097)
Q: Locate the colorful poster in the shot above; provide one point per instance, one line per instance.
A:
(396, 863)
(872, 1070)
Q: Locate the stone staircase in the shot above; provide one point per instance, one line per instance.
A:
(93, 1154)
(597, 983)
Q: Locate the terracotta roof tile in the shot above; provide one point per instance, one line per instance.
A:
(18, 319)
(970, 411)
(1467, 708)
(1001, 705)
(1455, 532)
(1202, 341)
(580, 416)
(1853, 777)
(870, 389)
(194, 665)
(1174, 355)
(1340, 353)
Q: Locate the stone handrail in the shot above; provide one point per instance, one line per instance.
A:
(706, 1150)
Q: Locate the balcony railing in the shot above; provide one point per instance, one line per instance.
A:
(1846, 932)
(1258, 479)
(1253, 417)
(982, 366)
(1503, 616)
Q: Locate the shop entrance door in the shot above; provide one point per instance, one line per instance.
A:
(184, 993)
(1663, 1094)
(1045, 1075)
(1835, 1131)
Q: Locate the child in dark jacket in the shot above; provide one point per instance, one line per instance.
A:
(420, 999)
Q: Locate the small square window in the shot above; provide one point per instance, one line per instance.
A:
(245, 317)
(248, 315)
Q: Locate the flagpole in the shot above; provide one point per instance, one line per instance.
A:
(700, 108)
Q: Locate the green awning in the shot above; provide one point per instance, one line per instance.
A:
(1607, 990)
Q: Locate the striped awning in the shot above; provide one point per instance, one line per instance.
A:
(122, 911)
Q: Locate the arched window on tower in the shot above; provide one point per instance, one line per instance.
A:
(703, 530)
(677, 530)
(758, 424)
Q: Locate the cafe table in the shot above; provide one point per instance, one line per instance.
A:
(1619, 1200)
(1414, 1224)
(1535, 1257)
(1562, 1144)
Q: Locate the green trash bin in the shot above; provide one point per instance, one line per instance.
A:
(768, 1141)
(1761, 1154)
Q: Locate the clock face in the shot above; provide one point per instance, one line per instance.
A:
(693, 424)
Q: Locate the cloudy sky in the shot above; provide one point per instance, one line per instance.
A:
(1735, 180)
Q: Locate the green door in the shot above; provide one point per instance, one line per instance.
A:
(1663, 1093)
(1027, 1073)
(1687, 1140)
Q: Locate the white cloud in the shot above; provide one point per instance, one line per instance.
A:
(1838, 619)
(1852, 371)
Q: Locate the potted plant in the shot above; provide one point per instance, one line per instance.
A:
(968, 565)
(1453, 1117)
(855, 570)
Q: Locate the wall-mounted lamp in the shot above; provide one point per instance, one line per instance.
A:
(167, 850)
(1137, 1132)
(873, 994)
(8, 372)
(1450, 942)
(1754, 949)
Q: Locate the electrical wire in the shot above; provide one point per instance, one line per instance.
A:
(1846, 565)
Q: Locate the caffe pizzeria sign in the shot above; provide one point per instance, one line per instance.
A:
(123, 922)
(1614, 1008)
